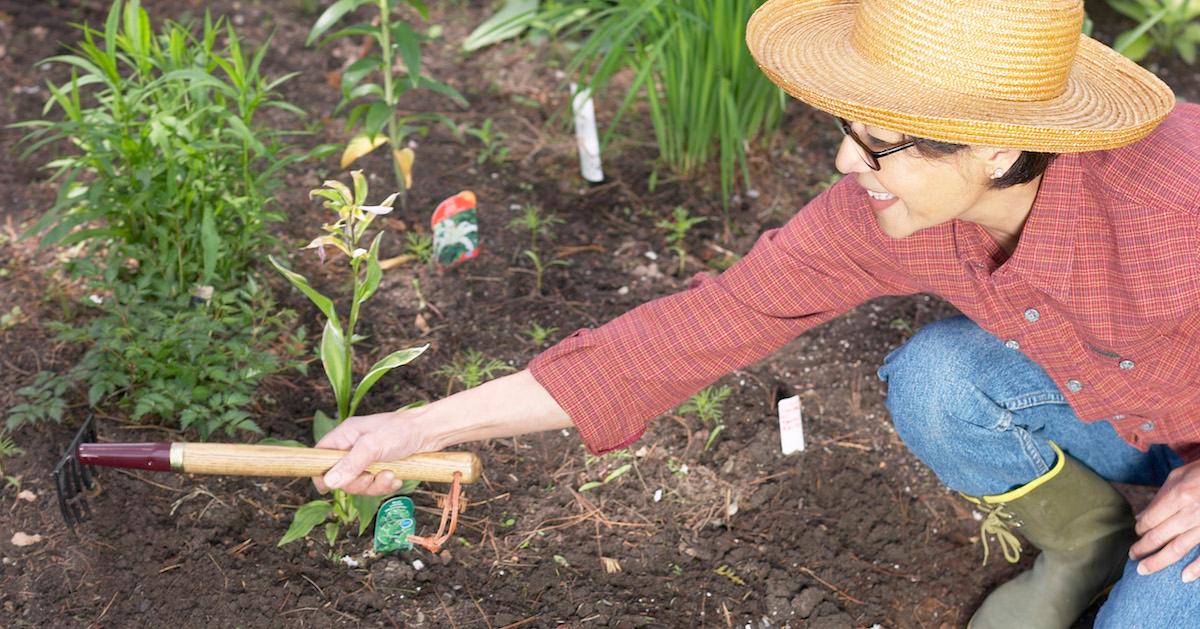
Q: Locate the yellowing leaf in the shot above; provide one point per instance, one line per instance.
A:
(360, 145)
(405, 158)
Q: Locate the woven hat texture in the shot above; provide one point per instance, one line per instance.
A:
(1010, 73)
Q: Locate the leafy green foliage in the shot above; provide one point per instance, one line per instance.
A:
(173, 170)
(610, 475)
(709, 406)
(689, 62)
(1169, 26)
(539, 226)
(470, 370)
(336, 349)
(195, 367)
(42, 400)
(539, 334)
(419, 246)
(493, 148)
(376, 114)
(677, 228)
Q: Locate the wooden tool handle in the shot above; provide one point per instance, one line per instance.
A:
(252, 460)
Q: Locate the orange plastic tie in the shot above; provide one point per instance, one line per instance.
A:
(449, 513)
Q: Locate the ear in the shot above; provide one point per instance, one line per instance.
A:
(994, 160)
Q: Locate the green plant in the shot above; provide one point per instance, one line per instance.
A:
(8, 448)
(336, 350)
(539, 226)
(689, 62)
(1169, 26)
(709, 405)
(615, 455)
(195, 367)
(539, 269)
(173, 171)
(377, 116)
(539, 334)
(419, 246)
(42, 401)
(493, 149)
(11, 318)
(677, 228)
(470, 370)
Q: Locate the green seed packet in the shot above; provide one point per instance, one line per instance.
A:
(393, 524)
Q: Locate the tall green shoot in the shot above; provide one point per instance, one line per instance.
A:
(377, 115)
(354, 217)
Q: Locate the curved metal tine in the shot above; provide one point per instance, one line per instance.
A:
(71, 478)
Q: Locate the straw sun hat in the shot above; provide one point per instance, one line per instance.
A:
(1009, 73)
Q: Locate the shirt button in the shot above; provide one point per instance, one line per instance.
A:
(1012, 344)
(1147, 427)
(1074, 386)
(1032, 315)
(1126, 364)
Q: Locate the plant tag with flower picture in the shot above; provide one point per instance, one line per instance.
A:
(455, 229)
(791, 425)
(394, 524)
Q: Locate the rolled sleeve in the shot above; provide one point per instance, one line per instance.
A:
(611, 380)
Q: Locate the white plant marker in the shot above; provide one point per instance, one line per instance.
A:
(585, 134)
(791, 425)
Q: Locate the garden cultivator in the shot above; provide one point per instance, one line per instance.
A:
(73, 474)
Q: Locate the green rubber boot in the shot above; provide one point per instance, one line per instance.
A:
(1084, 529)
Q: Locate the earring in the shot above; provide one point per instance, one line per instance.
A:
(998, 173)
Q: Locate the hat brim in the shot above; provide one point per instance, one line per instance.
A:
(804, 46)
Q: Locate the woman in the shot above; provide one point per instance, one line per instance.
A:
(1037, 180)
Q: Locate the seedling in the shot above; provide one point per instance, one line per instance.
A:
(11, 318)
(615, 455)
(494, 149)
(539, 269)
(537, 224)
(708, 405)
(677, 229)
(419, 246)
(612, 476)
(8, 448)
(470, 370)
(538, 334)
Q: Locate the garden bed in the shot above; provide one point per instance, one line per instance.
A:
(852, 532)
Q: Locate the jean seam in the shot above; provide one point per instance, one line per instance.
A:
(1030, 400)
(1032, 454)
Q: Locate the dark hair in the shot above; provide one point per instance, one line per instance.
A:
(1027, 167)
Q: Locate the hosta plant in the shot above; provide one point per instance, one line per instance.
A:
(354, 217)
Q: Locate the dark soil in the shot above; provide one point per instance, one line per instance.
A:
(853, 532)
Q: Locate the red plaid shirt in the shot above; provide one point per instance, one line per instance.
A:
(1103, 291)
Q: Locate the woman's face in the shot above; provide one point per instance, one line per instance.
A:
(911, 192)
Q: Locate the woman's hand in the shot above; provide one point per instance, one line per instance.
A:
(505, 407)
(371, 438)
(1170, 525)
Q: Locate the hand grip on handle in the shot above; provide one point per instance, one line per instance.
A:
(256, 460)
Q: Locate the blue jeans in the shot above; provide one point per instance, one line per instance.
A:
(981, 416)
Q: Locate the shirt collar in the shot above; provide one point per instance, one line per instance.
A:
(1046, 247)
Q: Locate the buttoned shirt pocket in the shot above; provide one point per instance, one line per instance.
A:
(1165, 360)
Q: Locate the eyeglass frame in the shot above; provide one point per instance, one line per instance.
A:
(869, 156)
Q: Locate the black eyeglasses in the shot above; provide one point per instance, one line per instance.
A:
(869, 156)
